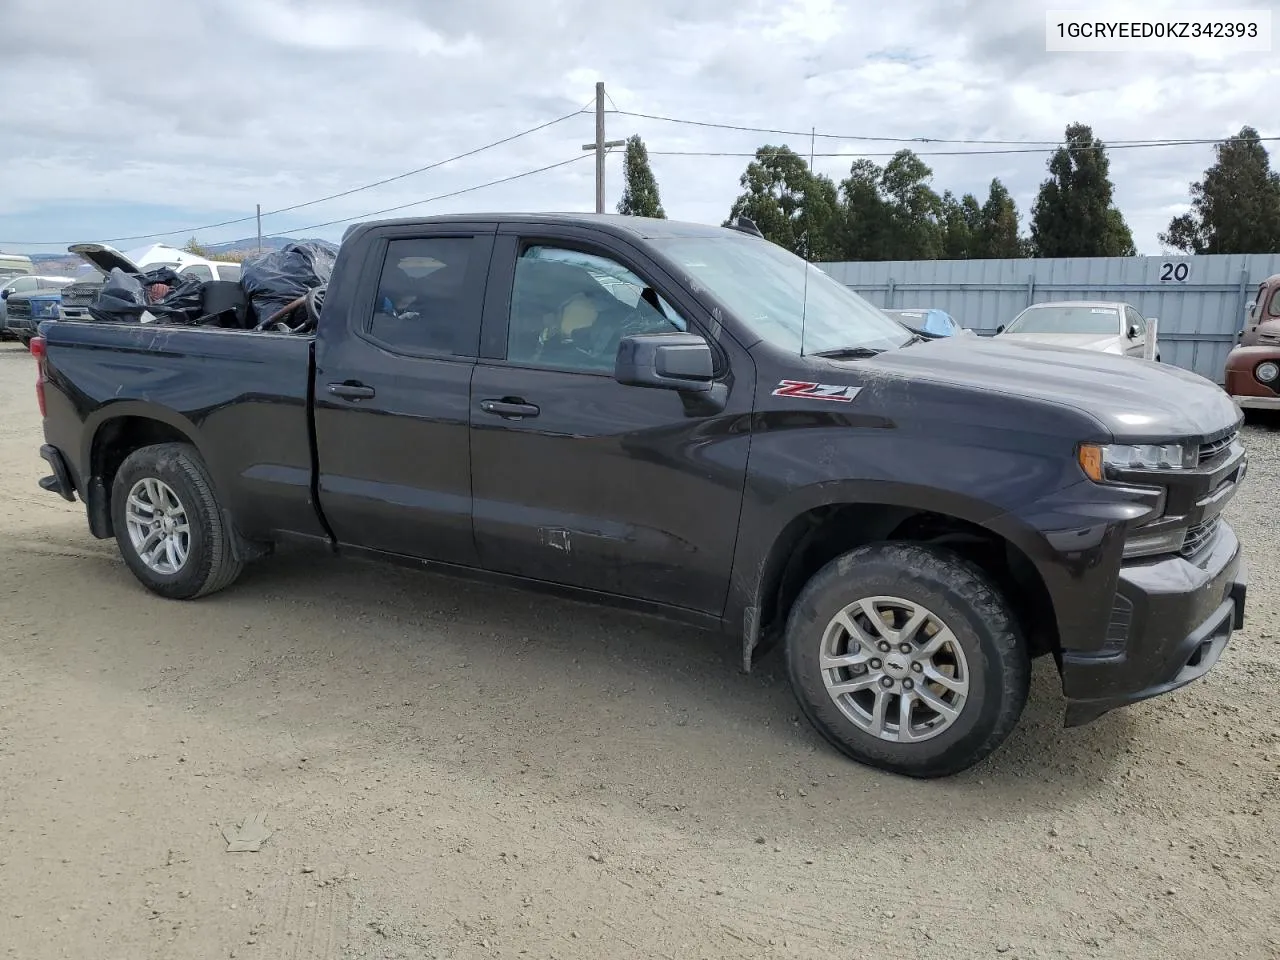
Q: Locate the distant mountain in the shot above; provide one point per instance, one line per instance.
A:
(250, 244)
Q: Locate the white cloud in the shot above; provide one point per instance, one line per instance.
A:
(146, 115)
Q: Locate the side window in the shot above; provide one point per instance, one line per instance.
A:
(1133, 318)
(1273, 308)
(571, 309)
(199, 271)
(229, 271)
(26, 285)
(421, 298)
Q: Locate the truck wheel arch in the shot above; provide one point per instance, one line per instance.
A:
(822, 530)
(122, 429)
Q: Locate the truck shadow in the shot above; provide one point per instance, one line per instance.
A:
(667, 677)
(515, 686)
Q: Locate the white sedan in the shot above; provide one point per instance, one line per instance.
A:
(1106, 327)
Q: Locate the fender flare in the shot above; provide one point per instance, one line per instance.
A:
(756, 562)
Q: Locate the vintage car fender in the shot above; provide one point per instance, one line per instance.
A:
(1253, 377)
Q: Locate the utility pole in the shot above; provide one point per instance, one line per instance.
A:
(600, 146)
(259, 228)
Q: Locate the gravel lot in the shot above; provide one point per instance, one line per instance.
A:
(463, 771)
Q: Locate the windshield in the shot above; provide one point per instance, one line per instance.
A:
(1075, 319)
(765, 287)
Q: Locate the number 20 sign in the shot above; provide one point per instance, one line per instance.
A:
(1171, 272)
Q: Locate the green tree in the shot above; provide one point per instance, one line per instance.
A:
(792, 206)
(863, 216)
(1073, 215)
(997, 232)
(914, 230)
(640, 195)
(193, 246)
(961, 222)
(1235, 208)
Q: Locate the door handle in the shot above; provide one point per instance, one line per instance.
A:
(351, 391)
(511, 409)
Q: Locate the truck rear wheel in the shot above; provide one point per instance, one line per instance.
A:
(907, 658)
(168, 524)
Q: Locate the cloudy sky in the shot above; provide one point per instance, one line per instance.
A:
(151, 116)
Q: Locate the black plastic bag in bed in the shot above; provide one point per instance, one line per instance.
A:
(274, 280)
(166, 275)
(184, 303)
(122, 299)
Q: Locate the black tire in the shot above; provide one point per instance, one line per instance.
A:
(210, 563)
(959, 594)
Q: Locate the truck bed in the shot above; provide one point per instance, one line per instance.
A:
(241, 396)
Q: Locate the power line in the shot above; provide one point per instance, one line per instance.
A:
(874, 139)
(310, 203)
(969, 153)
(442, 196)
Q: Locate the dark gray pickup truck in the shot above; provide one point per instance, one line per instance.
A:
(688, 421)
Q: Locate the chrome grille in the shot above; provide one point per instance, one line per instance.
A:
(1215, 448)
(18, 308)
(80, 294)
(1198, 537)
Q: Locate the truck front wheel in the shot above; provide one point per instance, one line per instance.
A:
(907, 658)
(168, 524)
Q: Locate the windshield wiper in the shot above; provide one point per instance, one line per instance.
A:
(848, 353)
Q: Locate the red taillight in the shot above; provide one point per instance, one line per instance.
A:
(37, 351)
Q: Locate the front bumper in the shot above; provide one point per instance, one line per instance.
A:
(1171, 620)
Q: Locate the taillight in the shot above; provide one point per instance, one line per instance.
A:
(37, 351)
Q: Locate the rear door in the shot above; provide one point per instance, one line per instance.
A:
(578, 479)
(392, 392)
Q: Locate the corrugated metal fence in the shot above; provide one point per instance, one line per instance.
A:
(1199, 301)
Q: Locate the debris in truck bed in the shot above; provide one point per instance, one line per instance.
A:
(276, 280)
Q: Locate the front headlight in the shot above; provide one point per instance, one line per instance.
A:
(1100, 462)
(1266, 372)
(1140, 544)
(44, 309)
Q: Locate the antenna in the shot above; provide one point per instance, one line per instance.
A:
(743, 225)
(804, 304)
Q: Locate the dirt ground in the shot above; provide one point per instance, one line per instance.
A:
(462, 771)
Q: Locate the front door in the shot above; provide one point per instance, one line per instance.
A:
(582, 481)
(392, 395)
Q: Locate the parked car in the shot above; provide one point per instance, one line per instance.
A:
(1252, 375)
(20, 287)
(743, 444)
(100, 259)
(15, 265)
(927, 321)
(1103, 326)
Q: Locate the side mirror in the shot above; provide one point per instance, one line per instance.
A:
(1251, 306)
(4, 294)
(1000, 329)
(668, 361)
(1133, 331)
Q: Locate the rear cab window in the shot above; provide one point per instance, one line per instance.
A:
(427, 294)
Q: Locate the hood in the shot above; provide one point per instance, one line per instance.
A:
(1135, 400)
(1079, 341)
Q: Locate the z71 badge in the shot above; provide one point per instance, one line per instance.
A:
(816, 391)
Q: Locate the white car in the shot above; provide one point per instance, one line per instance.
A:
(1102, 326)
